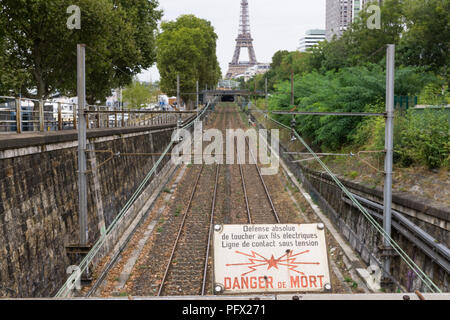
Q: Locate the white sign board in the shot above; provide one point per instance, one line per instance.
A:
(270, 258)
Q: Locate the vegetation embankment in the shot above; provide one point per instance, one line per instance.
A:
(348, 75)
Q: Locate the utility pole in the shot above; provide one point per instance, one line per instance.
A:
(267, 105)
(197, 102)
(82, 185)
(178, 91)
(121, 107)
(292, 89)
(389, 146)
(255, 91)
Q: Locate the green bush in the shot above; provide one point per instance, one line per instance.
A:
(420, 138)
(352, 89)
(369, 134)
(435, 94)
(425, 138)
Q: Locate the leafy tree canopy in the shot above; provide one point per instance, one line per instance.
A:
(138, 95)
(38, 57)
(187, 47)
(354, 89)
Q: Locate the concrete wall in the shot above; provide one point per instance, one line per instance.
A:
(39, 199)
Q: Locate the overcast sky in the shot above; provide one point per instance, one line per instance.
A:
(275, 25)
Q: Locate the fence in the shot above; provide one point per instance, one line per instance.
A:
(405, 102)
(18, 115)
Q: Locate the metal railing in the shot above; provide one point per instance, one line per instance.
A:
(19, 115)
(104, 117)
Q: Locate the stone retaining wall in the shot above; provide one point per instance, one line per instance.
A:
(39, 199)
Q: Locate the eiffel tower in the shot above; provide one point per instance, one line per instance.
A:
(244, 40)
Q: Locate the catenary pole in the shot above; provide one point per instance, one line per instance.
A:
(82, 185)
(389, 146)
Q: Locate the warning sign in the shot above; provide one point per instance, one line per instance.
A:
(270, 258)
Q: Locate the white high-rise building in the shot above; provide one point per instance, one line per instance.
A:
(338, 17)
(341, 13)
(311, 38)
(358, 5)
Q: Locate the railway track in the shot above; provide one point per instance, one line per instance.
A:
(189, 250)
(259, 206)
(177, 260)
(179, 263)
(186, 270)
(262, 215)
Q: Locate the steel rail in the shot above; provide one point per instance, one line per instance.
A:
(180, 232)
(247, 206)
(245, 195)
(244, 188)
(211, 226)
(264, 184)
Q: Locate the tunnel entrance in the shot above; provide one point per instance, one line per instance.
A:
(227, 98)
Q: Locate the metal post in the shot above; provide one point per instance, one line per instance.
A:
(197, 98)
(178, 95)
(121, 107)
(75, 124)
(41, 115)
(60, 124)
(82, 185)
(98, 116)
(107, 118)
(18, 116)
(389, 146)
(292, 89)
(178, 91)
(267, 105)
(255, 92)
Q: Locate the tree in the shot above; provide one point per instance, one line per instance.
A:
(283, 63)
(187, 47)
(137, 95)
(328, 56)
(366, 45)
(277, 58)
(37, 43)
(426, 41)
